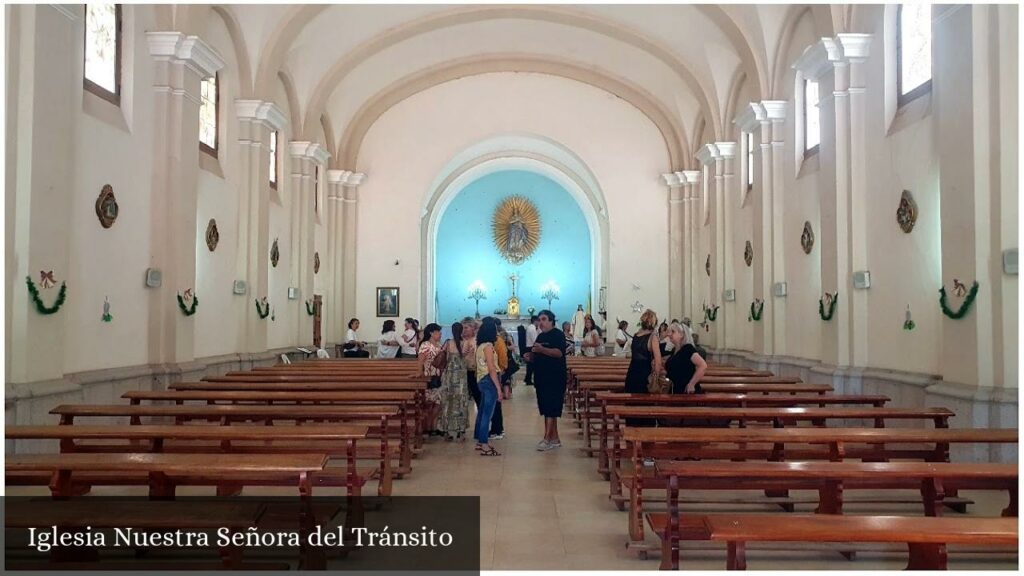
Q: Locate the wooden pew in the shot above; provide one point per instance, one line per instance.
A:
(379, 417)
(334, 441)
(831, 479)
(164, 472)
(765, 388)
(606, 399)
(780, 444)
(926, 538)
(406, 402)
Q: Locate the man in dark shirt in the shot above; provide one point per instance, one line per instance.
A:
(548, 359)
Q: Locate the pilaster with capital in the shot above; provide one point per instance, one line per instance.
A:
(350, 191)
(256, 120)
(180, 64)
(335, 231)
(714, 169)
(691, 244)
(676, 233)
(306, 156)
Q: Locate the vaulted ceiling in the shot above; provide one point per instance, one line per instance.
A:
(344, 66)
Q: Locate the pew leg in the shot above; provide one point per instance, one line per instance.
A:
(1011, 509)
(830, 499)
(228, 490)
(160, 487)
(666, 553)
(737, 559)
(932, 496)
(926, 556)
(850, 555)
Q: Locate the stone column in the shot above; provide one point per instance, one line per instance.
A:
(765, 121)
(181, 63)
(822, 62)
(725, 181)
(773, 173)
(691, 248)
(676, 232)
(256, 120)
(40, 187)
(305, 157)
(335, 232)
(350, 189)
(708, 155)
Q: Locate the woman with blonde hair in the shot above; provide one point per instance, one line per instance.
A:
(646, 355)
(684, 367)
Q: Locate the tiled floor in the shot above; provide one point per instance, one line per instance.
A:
(550, 510)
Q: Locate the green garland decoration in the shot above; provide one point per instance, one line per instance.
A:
(964, 308)
(260, 311)
(43, 309)
(310, 307)
(186, 310)
(831, 308)
(909, 325)
(710, 314)
(756, 311)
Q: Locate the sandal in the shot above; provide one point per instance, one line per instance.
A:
(490, 451)
(478, 447)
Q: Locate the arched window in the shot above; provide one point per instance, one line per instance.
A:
(812, 122)
(103, 51)
(750, 160)
(913, 51)
(209, 115)
(273, 160)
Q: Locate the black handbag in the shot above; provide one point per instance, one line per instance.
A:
(435, 383)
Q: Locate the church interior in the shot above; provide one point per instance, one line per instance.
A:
(201, 200)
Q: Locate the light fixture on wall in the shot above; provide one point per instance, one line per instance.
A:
(549, 291)
(478, 292)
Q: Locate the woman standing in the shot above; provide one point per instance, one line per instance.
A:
(454, 393)
(591, 345)
(490, 387)
(570, 346)
(407, 341)
(684, 367)
(646, 355)
(429, 349)
(548, 357)
(387, 344)
(469, 355)
(622, 339)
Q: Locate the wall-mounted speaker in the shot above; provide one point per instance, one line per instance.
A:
(729, 295)
(1010, 261)
(293, 293)
(862, 279)
(154, 277)
(239, 287)
(781, 289)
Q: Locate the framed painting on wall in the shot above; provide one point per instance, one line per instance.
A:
(387, 302)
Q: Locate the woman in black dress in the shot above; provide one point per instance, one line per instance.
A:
(684, 367)
(548, 358)
(646, 356)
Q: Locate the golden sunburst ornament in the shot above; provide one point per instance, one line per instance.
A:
(516, 226)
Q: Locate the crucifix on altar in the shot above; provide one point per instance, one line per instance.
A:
(513, 301)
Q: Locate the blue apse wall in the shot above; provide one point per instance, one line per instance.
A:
(465, 250)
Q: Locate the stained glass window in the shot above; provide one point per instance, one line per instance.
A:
(913, 50)
(103, 50)
(812, 122)
(273, 160)
(750, 160)
(208, 115)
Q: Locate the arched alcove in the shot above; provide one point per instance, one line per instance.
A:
(515, 153)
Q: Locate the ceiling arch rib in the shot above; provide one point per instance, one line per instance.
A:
(676, 142)
(343, 66)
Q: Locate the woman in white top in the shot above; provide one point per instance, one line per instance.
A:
(591, 345)
(354, 347)
(409, 338)
(622, 339)
(387, 344)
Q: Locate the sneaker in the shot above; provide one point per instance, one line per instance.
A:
(547, 446)
(542, 445)
(497, 436)
(556, 444)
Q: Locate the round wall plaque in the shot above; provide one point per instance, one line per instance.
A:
(316, 262)
(106, 206)
(275, 254)
(748, 253)
(807, 237)
(707, 265)
(212, 235)
(906, 214)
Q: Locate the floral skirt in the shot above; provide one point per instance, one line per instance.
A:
(454, 397)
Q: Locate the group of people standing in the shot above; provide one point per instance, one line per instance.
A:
(671, 353)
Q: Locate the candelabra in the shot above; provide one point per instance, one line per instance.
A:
(478, 292)
(549, 292)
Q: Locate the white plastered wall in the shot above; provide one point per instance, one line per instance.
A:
(410, 144)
